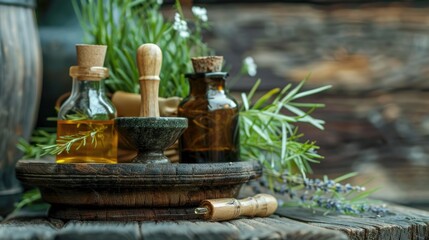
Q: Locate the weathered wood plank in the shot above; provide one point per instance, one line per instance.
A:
(184, 230)
(282, 38)
(40, 228)
(281, 228)
(99, 231)
(261, 230)
(247, 231)
(302, 231)
(29, 228)
(257, 228)
(402, 223)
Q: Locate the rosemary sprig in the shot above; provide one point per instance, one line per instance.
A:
(77, 116)
(28, 198)
(44, 141)
(269, 135)
(65, 143)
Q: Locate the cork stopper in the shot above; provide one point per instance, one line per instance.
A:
(90, 55)
(207, 64)
(90, 61)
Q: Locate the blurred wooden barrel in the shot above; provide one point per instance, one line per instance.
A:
(20, 85)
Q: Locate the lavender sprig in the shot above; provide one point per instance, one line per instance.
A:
(342, 205)
(327, 194)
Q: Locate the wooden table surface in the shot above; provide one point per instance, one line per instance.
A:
(287, 223)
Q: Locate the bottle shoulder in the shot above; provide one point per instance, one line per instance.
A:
(80, 107)
(208, 103)
(222, 103)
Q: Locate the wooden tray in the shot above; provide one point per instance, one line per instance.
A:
(129, 191)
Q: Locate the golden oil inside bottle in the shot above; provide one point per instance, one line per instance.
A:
(96, 141)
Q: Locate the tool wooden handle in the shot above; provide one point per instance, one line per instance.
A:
(261, 205)
(149, 60)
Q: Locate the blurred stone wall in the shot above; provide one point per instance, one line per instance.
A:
(376, 57)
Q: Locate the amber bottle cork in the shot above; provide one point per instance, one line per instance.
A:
(207, 64)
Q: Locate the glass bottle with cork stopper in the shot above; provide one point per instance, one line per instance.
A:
(86, 119)
(212, 134)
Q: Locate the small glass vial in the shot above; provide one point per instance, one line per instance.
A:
(88, 115)
(212, 134)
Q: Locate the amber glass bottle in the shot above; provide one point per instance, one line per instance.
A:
(88, 116)
(212, 134)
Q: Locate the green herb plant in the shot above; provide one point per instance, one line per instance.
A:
(268, 124)
(124, 25)
(39, 138)
(268, 133)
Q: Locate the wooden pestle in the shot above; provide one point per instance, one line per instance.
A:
(149, 60)
(223, 209)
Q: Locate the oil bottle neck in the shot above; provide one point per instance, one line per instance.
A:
(206, 86)
(86, 87)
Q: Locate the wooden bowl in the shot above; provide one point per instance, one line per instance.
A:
(74, 190)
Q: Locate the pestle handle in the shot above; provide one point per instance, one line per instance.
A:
(149, 60)
(261, 205)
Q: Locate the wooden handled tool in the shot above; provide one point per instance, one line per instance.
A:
(261, 205)
(149, 60)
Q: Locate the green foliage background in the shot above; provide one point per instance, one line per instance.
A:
(124, 25)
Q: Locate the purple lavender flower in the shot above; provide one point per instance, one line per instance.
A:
(326, 194)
